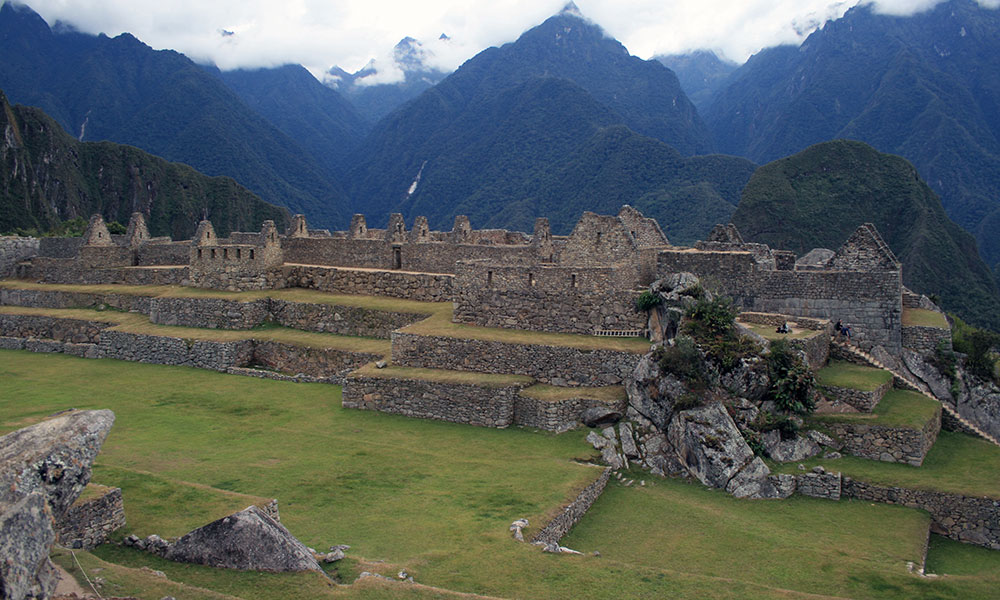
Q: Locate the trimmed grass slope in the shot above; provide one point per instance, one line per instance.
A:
(898, 408)
(849, 375)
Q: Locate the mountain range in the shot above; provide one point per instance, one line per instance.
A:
(925, 87)
(47, 177)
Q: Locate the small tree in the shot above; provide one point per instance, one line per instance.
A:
(792, 382)
(647, 301)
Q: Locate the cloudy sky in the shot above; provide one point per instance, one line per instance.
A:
(321, 33)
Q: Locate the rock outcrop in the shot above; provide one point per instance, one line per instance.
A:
(43, 470)
(248, 540)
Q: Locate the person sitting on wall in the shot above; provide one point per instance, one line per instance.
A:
(783, 328)
(846, 332)
(838, 327)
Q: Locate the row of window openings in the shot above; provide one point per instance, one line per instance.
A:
(225, 253)
(531, 279)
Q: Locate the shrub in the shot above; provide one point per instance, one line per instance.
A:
(688, 401)
(978, 346)
(711, 318)
(116, 228)
(792, 382)
(647, 301)
(683, 360)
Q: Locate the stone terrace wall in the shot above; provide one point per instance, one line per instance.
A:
(64, 330)
(220, 313)
(558, 527)
(324, 363)
(55, 247)
(557, 365)
(58, 270)
(458, 403)
(88, 524)
(14, 249)
(859, 399)
(172, 253)
(428, 287)
(547, 298)
(964, 518)
(925, 339)
(552, 415)
(887, 444)
(161, 350)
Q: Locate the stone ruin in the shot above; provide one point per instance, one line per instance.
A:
(585, 282)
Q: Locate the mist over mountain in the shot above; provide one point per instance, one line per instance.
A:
(374, 98)
(119, 89)
(818, 197)
(47, 176)
(926, 87)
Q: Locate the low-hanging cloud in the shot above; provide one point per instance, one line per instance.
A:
(349, 33)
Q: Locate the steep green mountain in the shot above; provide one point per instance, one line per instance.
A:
(46, 176)
(375, 100)
(701, 74)
(818, 197)
(323, 122)
(926, 87)
(121, 90)
(503, 146)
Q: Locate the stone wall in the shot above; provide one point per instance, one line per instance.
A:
(973, 520)
(558, 527)
(59, 247)
(220, 313)
(458, 403)
(14, 249)
(925, 339)
(59, 270)
(552, 415)
(429, 287)
(557, 365)
(88, 524)
(162, 350)
(887, 444)
(819, 484)
(170, 253)
(326, 363)
(859, 399)
(64, 330)
(548, 298)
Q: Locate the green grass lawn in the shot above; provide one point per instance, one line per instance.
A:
(768, 332)
(442, 376)
(956, 463)
(948, 557)
(551, 393)
(849, 375)
(924, 318)
(899, 408)
(436, 498)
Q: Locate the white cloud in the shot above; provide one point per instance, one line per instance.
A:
(319, 33)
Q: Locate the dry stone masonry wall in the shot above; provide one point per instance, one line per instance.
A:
(887, 444)
(865, 401)
(14, 249)
(558, 527)
(88, 524)
(925, 339)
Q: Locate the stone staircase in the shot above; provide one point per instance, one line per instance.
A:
(905, 382)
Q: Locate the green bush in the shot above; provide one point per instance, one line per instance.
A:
(647, 301)
(712, 324)
(979, 347)
(683, 360)
(687, 401)
(792, 382)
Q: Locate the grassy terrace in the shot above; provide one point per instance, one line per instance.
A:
(956, 463)
(442, 376)
(768, 332)
(849, 375)
(924, 318)
(436, 499)
(138, 323)
(438, 322)
(899, 408)
(551, 393)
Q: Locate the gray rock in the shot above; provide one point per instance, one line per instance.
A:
(832, 455)
(784, 484)
(247, 540)
(596, 416)
(817, 258)
(612, 458)
(822, 439)
(43, 470)
(333, 556)
(629, 448)
(597, 440)
(709, 445)
(753, 482)
(796, 449)
(937, 383)
(652, 394)
(343, 547)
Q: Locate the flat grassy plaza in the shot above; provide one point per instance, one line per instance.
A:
(436, 499)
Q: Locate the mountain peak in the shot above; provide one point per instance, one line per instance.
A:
(570, 8)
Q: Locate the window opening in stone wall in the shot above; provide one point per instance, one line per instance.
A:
(572, 280)
(489, 277)
(598, 237)
(199, 252)
(239, 254)
(397, 258)
(251, 253)
(225, 254)
(531, 279)
(213, 252)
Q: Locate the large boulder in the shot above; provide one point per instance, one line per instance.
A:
(43, 470)
(652, 393)
(248, 540)
(794, 449)
(709, 445)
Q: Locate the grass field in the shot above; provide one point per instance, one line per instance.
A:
(924, 318)
(899, 408)
(436, 498)
(849, 375)
(768, 332)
